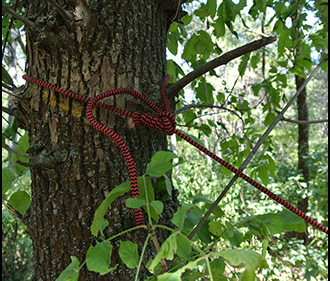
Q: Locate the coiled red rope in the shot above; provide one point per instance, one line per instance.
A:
(163, 121)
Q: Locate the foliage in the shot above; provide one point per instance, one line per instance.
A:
(189, 260)
(16, 250)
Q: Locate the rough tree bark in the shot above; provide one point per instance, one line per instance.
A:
(303, 148)
(303, 129)
(106, 45)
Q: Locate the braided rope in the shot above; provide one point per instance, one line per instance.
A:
(163, 121)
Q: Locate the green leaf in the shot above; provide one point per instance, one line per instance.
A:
(292, 221)
(195, 139)
(189, 52)
(155, 208)
(135, 203)
(255, 60)
(218, 268)
(20, 201)
(128, 252)
(236, 239)
(283, 221)
(243, 64)
(11, 130)
(161, 163)
(98, 258)
(216, 228)
(174, 70)
(179, 217)
(269, 118)
(271, 165)
(158, 206)
(145, 187)
(239, 257)
(6, 77)
(183, 247)
(163, 185)
(284, 41)
(71, 273)
(22, 146)
(101, 210)
(211, 7)
(262, 172)
(204, 92)
(204, 234)
(202, 12)
(172, 44)
(8, 178)
(219, 27)
(204, 44)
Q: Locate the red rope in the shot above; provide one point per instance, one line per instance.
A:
(163, 121)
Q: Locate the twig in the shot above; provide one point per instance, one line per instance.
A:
(10, 88)
(28, 23)
(64, 13)
(255, 149)
(7, 110)
(304, 121)
(15, 152)
(12, 94)
(223, 59)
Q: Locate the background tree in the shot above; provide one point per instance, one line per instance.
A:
(91, 47)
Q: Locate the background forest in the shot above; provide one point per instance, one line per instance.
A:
(227, 110)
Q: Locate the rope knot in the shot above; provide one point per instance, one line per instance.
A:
(163, 122)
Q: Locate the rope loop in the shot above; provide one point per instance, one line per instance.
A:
(163, 121)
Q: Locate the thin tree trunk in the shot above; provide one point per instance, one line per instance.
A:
(110, 44)
(303, 147)
(302, 128)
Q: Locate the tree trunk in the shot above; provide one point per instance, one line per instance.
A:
(303, 148)
(107, 45)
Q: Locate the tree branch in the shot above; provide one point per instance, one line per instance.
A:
(255, 149)
(223, 59)
(28, 23)
(64, 13)
(304, 121)
(15, 152)
(7, 110)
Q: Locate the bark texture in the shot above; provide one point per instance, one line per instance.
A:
(108, 45)
(303, 148)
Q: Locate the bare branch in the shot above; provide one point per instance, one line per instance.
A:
(223, 59)
(304, 121)
(7, 110)
(28, 23)
(190, 106)
(12, 94)
(255, 149)
(15, 152)
(10, 88)
(64, 13)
